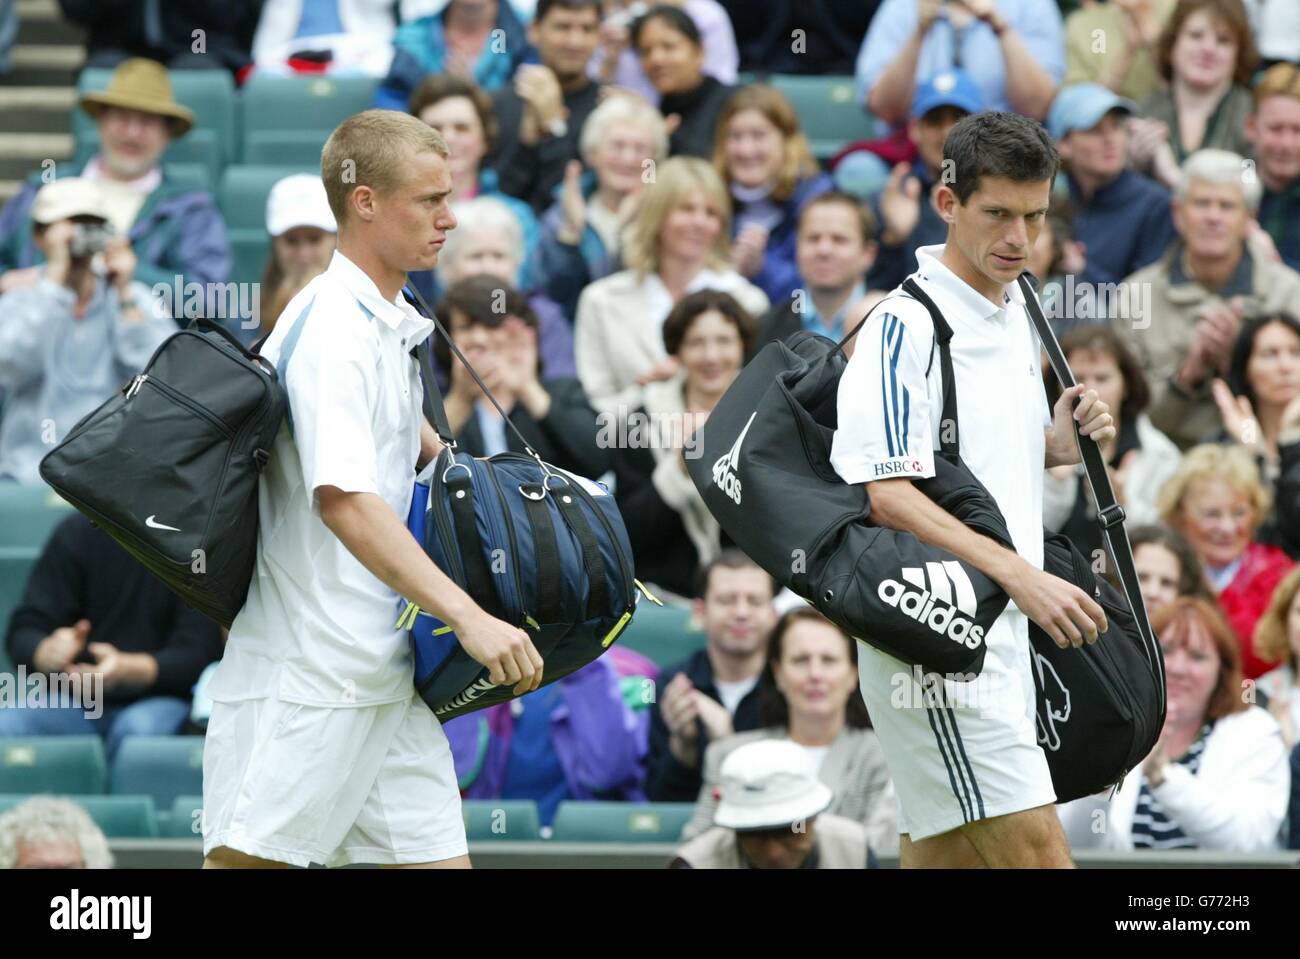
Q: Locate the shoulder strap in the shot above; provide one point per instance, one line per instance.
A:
(948, 424)
(1109, 513)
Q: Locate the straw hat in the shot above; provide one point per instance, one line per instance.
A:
(143, 85)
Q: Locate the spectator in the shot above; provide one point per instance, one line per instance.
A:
(1217, 779)
(831, 31)
(465, 117)
(1139, 458)
(303, 232)
(1125, 59)
(1277, 32)
(617, 61)
(1206, 56)
(496, 329)
(678, 244)
(1259, 403)
(1198, 293)
(1167, 567)
(482, 41)
(489, 240)
(70, 339)
(1277, 637)
(572, 740)
(1013, 49)
(339, 37)
(1273, 129)
(670, 529)
(834, 249)
(765, 159)
(714, 692)
(1057, 254)
(772, 815)
(1217, 501)
(176, 233)
(47, 832)
(907, 218)
(166, 32)
(582, 232)
(542, 113)
(90, 610)
(1121, 218)
(672, 54)
(813, 701)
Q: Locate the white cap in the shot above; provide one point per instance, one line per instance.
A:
(68, 197)
(769, 784)
(298, 200)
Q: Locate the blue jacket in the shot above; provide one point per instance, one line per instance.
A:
(177, 231)
(778, 277)
(1125, 226)
(563, 270)
(894, 264)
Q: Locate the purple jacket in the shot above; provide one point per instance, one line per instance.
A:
(600, 743)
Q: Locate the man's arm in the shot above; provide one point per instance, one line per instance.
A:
(430, 445)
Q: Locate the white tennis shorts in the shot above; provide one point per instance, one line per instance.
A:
(302, 784)
(960, 751)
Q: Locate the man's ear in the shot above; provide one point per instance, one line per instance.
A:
(945, 202)
(362, 202)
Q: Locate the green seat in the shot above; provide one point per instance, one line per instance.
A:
(250, 249)
(286, 147)
(192, 176)
(183, 820)
(120, 817)
(276, 106)
(500, 819)
(28, 514)
(829, 111)
(16, 564)
(162, 767)
(71, 765)
(242, 193)
(662, 633)
(621, 822)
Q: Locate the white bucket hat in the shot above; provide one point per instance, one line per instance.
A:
(769, 784)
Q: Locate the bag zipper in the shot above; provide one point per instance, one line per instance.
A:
(625, 566)
(174, 394)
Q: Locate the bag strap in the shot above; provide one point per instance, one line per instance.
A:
(949, 428)
(1109, 513)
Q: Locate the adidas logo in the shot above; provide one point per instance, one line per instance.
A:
(479, 687)
(724, 470)
(933, 603)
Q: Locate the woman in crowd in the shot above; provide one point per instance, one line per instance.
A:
(1217, 501)
(1140, 458)
(765, 159)
(677, 244)
(1206, 56)
(1167, 567)
(812, 699)
(496, 330)
(1277, 637)
(303, 232)
(616, 61)
(582, 232)
(671, 531)
(1217, 778)
(672, 55)
(1127, 64)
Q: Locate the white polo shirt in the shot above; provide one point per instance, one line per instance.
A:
(317, 627)
(889, 408)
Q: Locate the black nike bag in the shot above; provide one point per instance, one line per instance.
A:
(168, 466)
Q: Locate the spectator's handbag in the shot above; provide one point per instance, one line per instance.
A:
(532, 544)
(168, 465)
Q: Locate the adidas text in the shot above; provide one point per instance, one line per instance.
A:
(920, 605)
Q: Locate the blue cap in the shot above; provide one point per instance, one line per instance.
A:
(1081, 106)
(951, 88)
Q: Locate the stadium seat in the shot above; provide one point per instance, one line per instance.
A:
(274, 107)
(162, 767)
(15, 567)
(120, 817)
(500, 819)
(243, 190)
(286, 147)
(182, 821)
(71, 765)
(663, 633)
(28, 514)
(250, 249)
(620, 821)
(828, 110)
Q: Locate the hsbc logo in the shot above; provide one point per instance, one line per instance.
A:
(938, 595)
(898, 468)
(724, 469)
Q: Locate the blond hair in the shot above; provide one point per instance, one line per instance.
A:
(1270, 639)
(623, 110)
(1232, 464)
(675, 179)
(372, 148)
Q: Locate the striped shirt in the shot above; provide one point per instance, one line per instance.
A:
(1152, 827)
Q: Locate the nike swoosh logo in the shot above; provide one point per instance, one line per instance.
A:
(152, 525)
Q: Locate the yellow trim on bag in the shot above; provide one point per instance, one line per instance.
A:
(528, 620)
(404, 616)
(618, 628)
(648, 595)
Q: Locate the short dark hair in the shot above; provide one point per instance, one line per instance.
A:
(773, 709)
(1103, 339)
(546, 6)
(484, 300)
(1244, 346)
(691, 307)
(997, 144)
(729, 558)
(861, 211)
(675, 17)
(437, 87)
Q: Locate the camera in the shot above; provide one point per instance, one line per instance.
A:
(89, 239)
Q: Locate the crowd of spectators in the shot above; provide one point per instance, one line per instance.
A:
(639, 212)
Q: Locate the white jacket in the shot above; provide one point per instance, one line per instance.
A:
(1236, 802)
(365, 46)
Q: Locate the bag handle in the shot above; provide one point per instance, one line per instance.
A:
(1109, 513)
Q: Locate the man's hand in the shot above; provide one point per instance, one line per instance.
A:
(117, 668)
(543, 100)
(900, 205)
(507, 651)
(1063, 611)
(1211, 348)
(56, 651)
(1093, 417)
(714, 716)
(120, 262)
